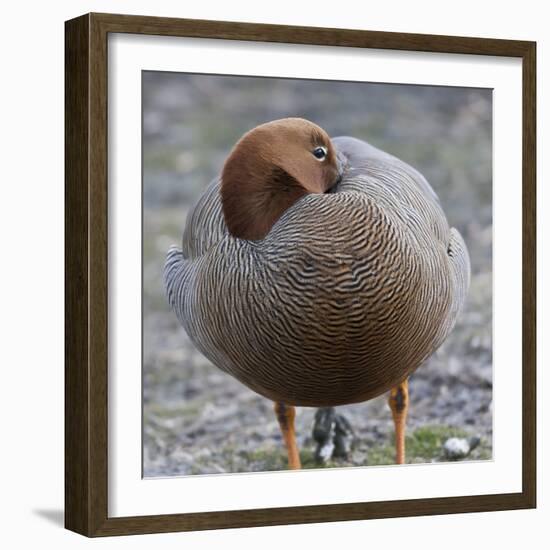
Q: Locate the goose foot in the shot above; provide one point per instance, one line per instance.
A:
(286, 415)
(399, 405)
(333, 434)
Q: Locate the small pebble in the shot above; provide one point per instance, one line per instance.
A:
(456, 448)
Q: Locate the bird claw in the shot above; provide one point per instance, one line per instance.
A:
(333, 434)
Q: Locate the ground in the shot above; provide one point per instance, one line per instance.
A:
(198, 420)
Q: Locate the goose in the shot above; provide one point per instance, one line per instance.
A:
(318, 272)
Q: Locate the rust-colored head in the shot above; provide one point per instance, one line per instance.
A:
(269, 169)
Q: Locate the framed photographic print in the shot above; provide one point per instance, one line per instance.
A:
(300, 274)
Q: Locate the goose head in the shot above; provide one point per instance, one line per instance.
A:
(269, 169)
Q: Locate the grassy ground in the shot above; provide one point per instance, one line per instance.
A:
(199, 420)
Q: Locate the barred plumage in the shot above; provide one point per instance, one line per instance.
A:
(344, 298)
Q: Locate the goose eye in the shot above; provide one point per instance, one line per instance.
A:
(320, 153)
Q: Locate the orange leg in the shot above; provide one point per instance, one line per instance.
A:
(399, 405)
(285, 416)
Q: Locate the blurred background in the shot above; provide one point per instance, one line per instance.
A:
(198, 420)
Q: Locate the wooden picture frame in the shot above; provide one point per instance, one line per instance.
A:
(86, 283)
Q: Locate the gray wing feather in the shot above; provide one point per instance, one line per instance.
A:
(205, 224)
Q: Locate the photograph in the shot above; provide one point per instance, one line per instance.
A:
(317, 280)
